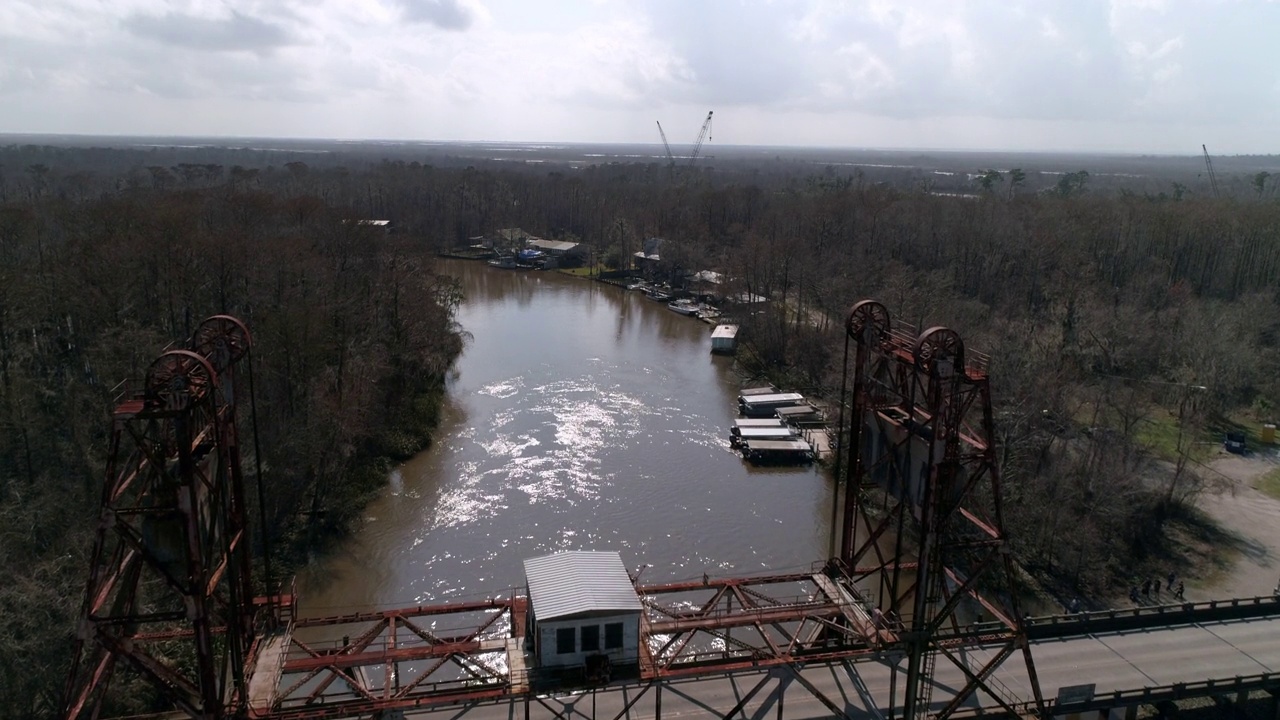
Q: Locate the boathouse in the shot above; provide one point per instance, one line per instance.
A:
(582, 609)
(724, 339)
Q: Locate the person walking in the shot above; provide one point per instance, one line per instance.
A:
(1181, 587)
(1133, 594)
(1169, 584)
(1156, 585)
(1146, 589)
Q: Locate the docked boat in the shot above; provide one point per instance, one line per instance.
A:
(684, 306)
(766, 405)
(738, 436)
(800, 413)
(506, 262)
(777, 452)
(763, 390)
(740, 423)
(530, 259)
(724, 339)
(658, 294)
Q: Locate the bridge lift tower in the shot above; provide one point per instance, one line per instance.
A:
(170, 592)
(921, 478)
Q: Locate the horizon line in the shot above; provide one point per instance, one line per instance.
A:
(570, 143)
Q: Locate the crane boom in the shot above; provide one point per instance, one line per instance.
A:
(705, 134)
(671, 159)
(1213, 179)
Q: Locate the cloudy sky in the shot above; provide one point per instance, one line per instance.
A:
(1109, 75)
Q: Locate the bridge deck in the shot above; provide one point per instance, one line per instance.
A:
(811, 632)
(267, 671)
(1119, 661)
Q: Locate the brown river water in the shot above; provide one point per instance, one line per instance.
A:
(580, 416)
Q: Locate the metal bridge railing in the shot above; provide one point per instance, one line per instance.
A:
(1142, 696)
(1152, 616)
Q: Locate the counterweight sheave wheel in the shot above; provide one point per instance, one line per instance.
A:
(223, 340)
(868, 322)
(178, 379)
(939, 347)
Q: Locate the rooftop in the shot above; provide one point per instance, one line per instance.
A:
(554, 245)
(579, 582)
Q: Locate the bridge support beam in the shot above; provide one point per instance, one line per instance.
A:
(1233, 706)
(1273, 705)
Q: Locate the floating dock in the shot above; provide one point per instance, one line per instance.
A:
(777, 452)
(737, 436)
(766, 405)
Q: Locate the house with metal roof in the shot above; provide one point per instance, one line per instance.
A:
(556, 247)
(583, 611)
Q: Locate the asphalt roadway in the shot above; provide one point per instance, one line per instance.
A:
(1113, 661)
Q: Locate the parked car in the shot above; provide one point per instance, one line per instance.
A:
(1234, 443)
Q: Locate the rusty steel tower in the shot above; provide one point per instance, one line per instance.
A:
(922, 529)
(169, 591)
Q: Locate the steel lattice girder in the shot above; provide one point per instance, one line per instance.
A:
(355, 664)
(688, 627)
(460, 652)
(169, 592)
(921, 469)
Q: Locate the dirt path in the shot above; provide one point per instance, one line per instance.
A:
(1253, 517)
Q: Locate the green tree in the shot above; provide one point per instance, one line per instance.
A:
(1072, 183)
(1016, 179)
(1260, 182)
(989, 178)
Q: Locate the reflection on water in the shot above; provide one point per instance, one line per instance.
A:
(580, 416)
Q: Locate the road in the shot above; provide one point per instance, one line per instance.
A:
(1113, 662)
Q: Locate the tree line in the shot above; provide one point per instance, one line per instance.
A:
(353, 333)
(1103, 308)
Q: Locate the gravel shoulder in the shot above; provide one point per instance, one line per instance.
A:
(1253, 517)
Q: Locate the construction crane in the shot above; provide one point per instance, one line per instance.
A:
(671, 159)
(704, 134)
(1213, 179)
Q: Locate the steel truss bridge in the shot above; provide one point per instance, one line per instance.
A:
(915, 616)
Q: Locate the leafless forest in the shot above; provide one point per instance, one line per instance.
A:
(1129, 319)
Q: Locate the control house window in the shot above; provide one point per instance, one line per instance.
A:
(590, 638)
(565, 641)
(613, 636)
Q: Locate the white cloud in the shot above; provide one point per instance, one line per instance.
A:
(822, 72)
(224, 32)
(444, 14)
